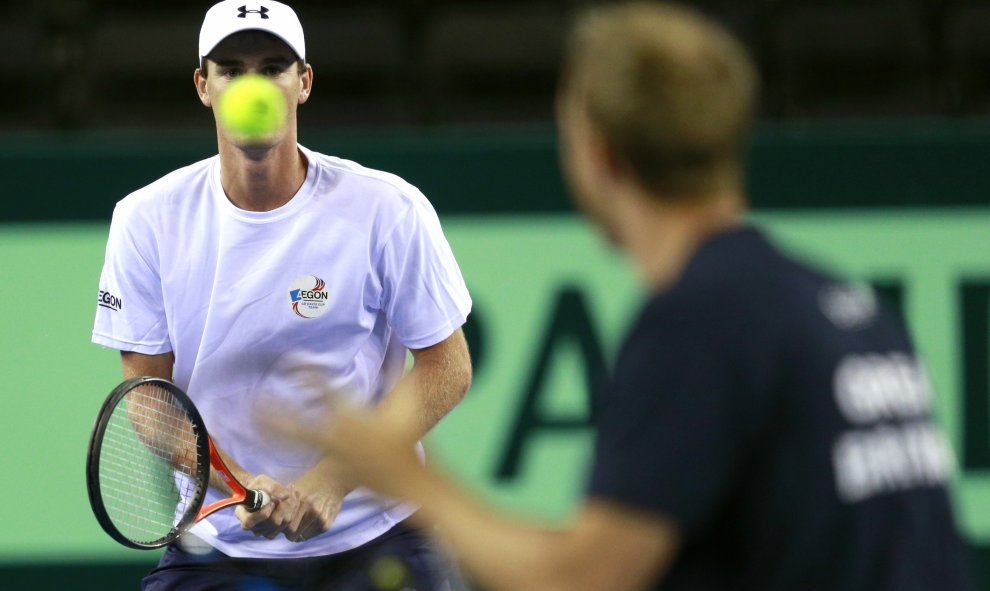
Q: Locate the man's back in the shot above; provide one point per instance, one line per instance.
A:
(782, 420)
(725, 458)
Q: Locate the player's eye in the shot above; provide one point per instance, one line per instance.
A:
(273, 70)
(230, 72)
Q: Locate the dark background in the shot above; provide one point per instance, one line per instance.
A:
(126, 64)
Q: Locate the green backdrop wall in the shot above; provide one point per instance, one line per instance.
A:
(904, 208)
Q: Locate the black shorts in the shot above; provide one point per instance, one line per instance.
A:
(402, 559)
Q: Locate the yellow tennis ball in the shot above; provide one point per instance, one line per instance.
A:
(252, 107)
(388, 573)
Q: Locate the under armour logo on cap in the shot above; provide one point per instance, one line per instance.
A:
(243, 12)
(225, 18)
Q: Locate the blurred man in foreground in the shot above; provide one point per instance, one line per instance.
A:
(768, 427)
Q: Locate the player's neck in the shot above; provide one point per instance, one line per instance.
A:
(262, 180)
(662, 239)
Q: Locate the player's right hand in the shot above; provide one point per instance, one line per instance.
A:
(273, 518)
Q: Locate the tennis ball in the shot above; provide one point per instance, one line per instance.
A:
(252, 107)
(388, 573)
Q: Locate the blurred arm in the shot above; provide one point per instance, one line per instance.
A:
(607, 547)
(438, 381)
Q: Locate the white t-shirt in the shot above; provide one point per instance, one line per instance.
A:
(351, 272)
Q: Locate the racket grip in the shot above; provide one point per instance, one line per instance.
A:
(256, 499)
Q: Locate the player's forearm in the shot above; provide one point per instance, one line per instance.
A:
(606, 547)
(431, 395)
(426, 389)
(500, 552)
(326, 476)
(160, 366)
(438, 381)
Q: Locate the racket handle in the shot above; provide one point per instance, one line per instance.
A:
(256, 499)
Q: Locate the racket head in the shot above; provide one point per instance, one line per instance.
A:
(148, 464)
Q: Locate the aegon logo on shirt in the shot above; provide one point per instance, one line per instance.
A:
(109, 301)
(308, 297)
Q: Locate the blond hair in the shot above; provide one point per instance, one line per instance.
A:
(671, 91)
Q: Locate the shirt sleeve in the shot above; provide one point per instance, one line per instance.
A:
(130, 312)
(423, 292)
(673, 428)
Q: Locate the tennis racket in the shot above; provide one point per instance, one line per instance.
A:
(148, 467)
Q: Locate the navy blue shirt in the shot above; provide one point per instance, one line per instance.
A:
(781, 419)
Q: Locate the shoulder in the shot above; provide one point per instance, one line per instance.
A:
(183, 184)
(753, 304)
(744, 275)
(731, 279)
(394, 209)
(375, 185)
(740, 295)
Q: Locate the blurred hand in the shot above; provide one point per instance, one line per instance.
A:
(371, 449)
(273, 518)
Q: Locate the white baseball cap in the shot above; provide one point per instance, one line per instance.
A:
(233, 16)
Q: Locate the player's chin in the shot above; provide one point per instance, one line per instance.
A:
(255, 145)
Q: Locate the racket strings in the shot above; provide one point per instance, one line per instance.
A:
(148, 464)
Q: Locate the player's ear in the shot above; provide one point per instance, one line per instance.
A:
(611, 165)
(306, 82)
(600, 159)
(199, 79)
